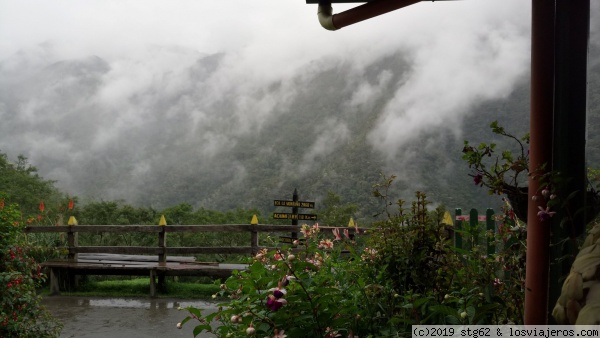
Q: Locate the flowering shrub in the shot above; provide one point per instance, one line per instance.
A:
(407, 272)
(317, 289)
(21, 314)
(434, 282)
(504, 174)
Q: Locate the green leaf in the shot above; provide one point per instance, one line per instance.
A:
(482, 312)
(195, 311)
(445, 310)
(185, 320)
(198, 329)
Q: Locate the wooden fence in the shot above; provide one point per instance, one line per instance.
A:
(161, 249)
(163, 264)
(464, 238)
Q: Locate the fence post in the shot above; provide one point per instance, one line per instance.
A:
(458, 229)
(162, 243)
(295, 212)
(72, 241)
(162, 256)
(490, 225)
(474, 228)
(254, 235)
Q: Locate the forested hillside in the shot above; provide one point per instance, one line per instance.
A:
(185, 144)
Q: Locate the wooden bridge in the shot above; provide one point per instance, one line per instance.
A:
(157, 261)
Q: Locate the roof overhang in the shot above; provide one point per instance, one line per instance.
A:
(338, 1)
(354, 1)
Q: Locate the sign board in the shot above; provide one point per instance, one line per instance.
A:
(301, 217)
(298, 204)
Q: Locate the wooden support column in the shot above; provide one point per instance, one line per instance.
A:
(73, 243)
(540, 157)
(54, 283)
(152, 282)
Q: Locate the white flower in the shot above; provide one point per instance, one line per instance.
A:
(250, 331)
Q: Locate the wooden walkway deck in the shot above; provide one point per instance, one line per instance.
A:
(135, 265)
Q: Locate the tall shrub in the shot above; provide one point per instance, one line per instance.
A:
(21, 312)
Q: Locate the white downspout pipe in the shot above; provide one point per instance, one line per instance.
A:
(325, 14)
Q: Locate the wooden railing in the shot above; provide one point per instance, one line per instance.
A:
(161, 248)
(62, 272)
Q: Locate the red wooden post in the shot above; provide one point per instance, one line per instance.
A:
(541, 115)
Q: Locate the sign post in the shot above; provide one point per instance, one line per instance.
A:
(294, 215)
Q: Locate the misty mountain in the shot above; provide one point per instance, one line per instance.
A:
(196, 132)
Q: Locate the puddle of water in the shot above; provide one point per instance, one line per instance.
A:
(89, 317)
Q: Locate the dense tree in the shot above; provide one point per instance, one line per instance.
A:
(334, 213)
(26, 188)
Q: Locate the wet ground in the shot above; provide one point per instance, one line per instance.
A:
(91, 317)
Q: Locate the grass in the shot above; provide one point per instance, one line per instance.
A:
(140, 287)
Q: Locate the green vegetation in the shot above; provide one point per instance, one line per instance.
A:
(139, 287)
(21, 313)
(406, 271)
(20, 181)
(403, 272)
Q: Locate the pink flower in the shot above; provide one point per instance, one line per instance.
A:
(278, 334)
(325, 244)
(330, 333)
(274, 303)
(346, 233)
(286, 280)
(336, 234)
(278, 292)
(545, 215)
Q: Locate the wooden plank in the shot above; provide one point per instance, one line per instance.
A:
(246, 250)
(133, 250)
(167, 228)
(109, 262)
(208, 228)
(95, 228)
(139, 258)
(43, 229)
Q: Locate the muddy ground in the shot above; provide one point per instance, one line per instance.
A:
(89, 317)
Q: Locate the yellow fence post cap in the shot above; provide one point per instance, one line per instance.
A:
(72, 221)
(447, 219)
(162, 221)
(351, 223)
(254, 220)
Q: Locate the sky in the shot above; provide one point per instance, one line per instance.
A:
(460, 53)
(265, 30)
